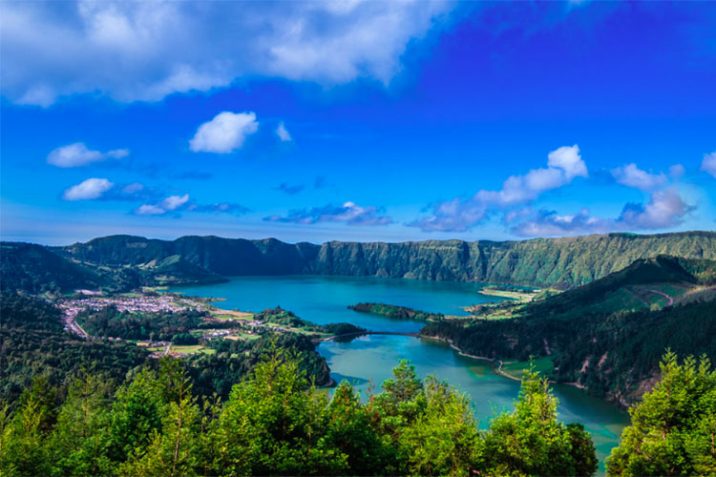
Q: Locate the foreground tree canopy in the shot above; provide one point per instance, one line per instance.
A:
(275, 422)
(673, 430)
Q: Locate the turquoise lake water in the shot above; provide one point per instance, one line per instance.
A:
(368, 360)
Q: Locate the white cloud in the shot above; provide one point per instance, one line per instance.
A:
(631, 176)
(665, 209)
(173, 202)
(709, 164)
(458, 215)
(283, 133)
(548, 223)
(225, 133)
(148, 50)
(569, 160)
(77, 154)
(88, 189)
(148, 209)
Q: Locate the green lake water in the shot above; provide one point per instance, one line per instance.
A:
(368, 360)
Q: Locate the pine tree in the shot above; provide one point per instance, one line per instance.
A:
(673, 428)
(531, 441)
(443, 439)
(78, 443)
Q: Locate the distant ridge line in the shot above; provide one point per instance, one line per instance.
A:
(560, 262)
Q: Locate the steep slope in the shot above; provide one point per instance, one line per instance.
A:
(635, 287)
(598, 339)
(34, 268)
(564, 262)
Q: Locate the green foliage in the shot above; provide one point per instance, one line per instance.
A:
(137, 413)
(673, 429)
(396, 312)
(33, 343)
(174, 451)
(273, 423)
(349, 429)
(611, 353)
(78, 443)
(531, 441)
(276, 423)
(443, 439)
(164, 326)
(123, 262)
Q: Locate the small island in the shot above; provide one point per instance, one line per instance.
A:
(396, 312)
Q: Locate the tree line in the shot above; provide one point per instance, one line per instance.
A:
(275, 422)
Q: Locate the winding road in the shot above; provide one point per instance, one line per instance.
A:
(669, 298)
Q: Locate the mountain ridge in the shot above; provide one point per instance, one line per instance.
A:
(561, 262)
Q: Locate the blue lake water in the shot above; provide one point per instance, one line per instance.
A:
(368, 360)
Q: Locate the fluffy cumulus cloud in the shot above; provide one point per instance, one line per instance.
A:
(89, 189)
(225, 133)
(282, 133)
(545, 223)
(631, 176)
(458, 215)
(708, 165)
(148, 50)
(664, 209)
(349, 213)
(78, 154)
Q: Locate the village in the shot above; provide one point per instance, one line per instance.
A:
(230, 324)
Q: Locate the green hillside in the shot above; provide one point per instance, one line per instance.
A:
(563, 262)
(36, 269)
(606, 336)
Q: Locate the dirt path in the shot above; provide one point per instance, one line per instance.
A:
(671, 300)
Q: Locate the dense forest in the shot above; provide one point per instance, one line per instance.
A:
(33, 343)
(593, 338)
(124, 262)
(274, 422)
(165, 326)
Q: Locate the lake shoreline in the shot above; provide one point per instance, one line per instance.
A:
(498, 370)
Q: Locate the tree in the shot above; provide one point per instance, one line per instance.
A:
(136, 414)
(78, 443)
(443, 440)
(23, 453)
(350, 431)
(175, 451)
(273, 423)
(531, 441)
(673, 429)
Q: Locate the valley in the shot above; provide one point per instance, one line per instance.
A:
(599, 344)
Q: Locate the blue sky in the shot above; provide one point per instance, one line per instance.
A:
(356, 121)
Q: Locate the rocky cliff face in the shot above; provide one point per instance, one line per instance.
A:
(563, 262)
